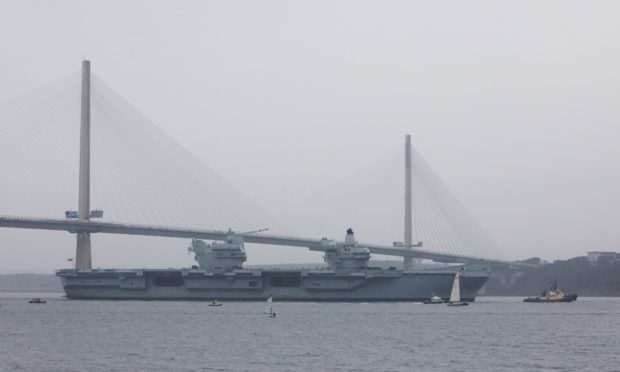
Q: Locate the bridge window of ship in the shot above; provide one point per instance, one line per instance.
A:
(253, 284)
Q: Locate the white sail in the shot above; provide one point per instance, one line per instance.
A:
(455, 295)
(269, 306)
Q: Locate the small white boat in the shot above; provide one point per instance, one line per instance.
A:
(434, 300)
(215, 303)
(455, 295)
(269, 307)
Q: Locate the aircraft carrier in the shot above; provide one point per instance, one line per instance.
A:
(220, 275)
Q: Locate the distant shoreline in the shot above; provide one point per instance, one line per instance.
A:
(41, 283)
(28, 291)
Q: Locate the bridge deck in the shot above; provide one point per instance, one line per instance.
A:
(173, 232)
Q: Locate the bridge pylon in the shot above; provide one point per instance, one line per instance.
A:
(83, 259)
(408, 261)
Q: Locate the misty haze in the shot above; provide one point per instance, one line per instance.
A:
(258, 154)
(520, 123)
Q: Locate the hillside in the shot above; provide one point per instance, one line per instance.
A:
(575, 275)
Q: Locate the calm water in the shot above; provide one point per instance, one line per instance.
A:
(492, 334)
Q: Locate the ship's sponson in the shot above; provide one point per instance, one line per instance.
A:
(287, 285)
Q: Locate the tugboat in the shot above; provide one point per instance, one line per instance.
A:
(552, 295)
(215, 303)
(37, 300)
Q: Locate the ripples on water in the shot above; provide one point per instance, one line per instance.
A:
(491, 334)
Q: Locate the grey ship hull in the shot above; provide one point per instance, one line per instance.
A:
(284, 285)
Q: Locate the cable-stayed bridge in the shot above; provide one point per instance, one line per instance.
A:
(290, 241)
(156, 188)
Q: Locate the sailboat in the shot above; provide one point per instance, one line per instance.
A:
(269, 307)
(455, 295)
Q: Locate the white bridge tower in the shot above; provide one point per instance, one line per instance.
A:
(408, 261)
(83, 258)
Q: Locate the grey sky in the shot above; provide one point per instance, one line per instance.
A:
(515, 105)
